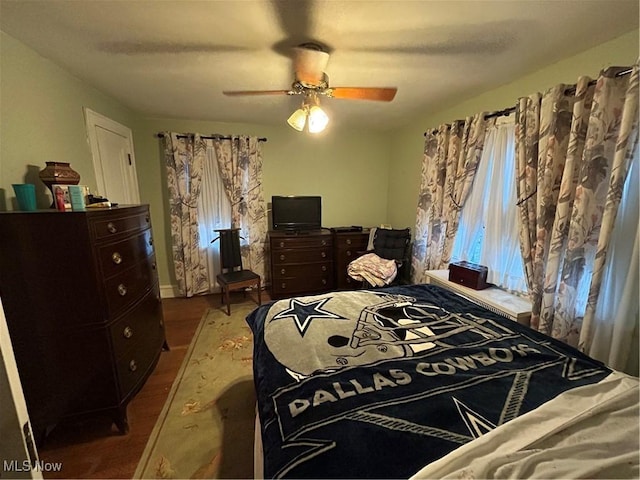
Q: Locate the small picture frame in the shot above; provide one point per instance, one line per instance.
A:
(61, 197)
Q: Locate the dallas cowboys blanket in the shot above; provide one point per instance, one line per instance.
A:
(378, 384)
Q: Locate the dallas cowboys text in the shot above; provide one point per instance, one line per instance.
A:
(396, 377)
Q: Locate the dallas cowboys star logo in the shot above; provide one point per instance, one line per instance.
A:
(303, 313)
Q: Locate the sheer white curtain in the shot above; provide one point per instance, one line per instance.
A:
(214, 212)
(488, 231)
(615, 341)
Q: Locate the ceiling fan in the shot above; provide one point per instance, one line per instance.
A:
(310, 61)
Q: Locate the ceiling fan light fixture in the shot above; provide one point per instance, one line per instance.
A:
(309, 115)
(298, 119)
(318, 120)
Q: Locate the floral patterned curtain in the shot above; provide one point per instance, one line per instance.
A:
(184, 159)
(573, 151)
(240, 163)
(450, 161)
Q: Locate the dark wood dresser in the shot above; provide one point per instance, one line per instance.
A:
(347, 246)
(301, 264)
(82, 302)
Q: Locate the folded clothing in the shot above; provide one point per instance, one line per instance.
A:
(373, 269)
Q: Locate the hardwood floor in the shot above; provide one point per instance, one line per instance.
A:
(92, 447)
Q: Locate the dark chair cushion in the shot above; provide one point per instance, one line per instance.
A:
(392, 244)
(238, 276)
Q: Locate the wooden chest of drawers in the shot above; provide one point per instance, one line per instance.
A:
(81, 297)
(301, 264)
(347, 247)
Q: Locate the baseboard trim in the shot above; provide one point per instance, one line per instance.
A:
(171, 291)
(168, 291)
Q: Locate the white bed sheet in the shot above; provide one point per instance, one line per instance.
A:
(587, 432)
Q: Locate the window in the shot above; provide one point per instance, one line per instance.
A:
(488, 228)
(214, 212)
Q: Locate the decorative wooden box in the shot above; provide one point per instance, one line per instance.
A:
(469, 274)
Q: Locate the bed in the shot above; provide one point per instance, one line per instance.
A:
(416, 381)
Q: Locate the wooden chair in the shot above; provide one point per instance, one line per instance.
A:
(233, 275)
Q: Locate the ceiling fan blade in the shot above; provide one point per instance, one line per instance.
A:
(309, 63)
(383, 94)
(237, 93)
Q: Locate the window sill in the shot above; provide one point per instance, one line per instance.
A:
(493, 298)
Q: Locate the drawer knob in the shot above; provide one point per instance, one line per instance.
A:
(281, 244)
(284, 285)
(348, 241)
(324, 268)
(324, 242)
(282, 271)
(324, 281)
(348, 253)
(127, 332)
(116, 258)
(323, 254)
(111, 227)
(122, 289)
(281, 257)
(133, 366)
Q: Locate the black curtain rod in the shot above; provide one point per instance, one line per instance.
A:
(569, 90)
(210, 137)
(500, 113)
(621, 73)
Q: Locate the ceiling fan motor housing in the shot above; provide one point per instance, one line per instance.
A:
(310, 62)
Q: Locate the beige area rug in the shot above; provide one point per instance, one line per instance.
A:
(205, 429)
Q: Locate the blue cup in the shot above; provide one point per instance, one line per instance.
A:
(26, 196)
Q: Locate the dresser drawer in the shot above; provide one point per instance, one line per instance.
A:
(305, 284)
(301, 270)
(320, 254)
(301, 241)
(115, 258)
(352, 242)
(132, 369)
(135, 336)
(344, 257)
(127, 287)
(342, 261)
(104, 229)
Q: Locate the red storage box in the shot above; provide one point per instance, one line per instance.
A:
(469, 274)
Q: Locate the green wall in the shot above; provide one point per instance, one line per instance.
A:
(407, 143)
(364, 177)
(41, 119)
(349, 169)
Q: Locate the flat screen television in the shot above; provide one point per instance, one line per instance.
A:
(296, 212)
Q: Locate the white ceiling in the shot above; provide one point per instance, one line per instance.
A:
(173, 58)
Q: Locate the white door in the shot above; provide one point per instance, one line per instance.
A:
(113, 159)
(17, 448)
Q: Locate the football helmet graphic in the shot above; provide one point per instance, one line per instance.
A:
(317, 333)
